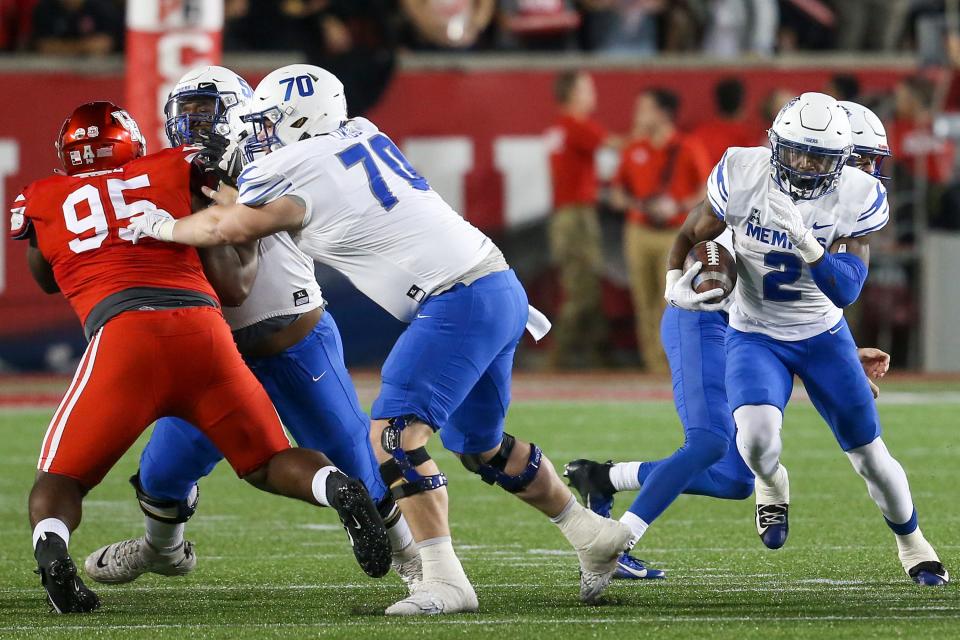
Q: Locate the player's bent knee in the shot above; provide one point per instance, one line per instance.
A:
(399, 472)
(706, 445)
(493, 471)
(169, 511)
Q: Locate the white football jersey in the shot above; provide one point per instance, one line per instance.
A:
(285, 284)
(369, 215)
(775, 293)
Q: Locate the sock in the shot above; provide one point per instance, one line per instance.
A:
(624, 476)
(636, 524)
(886, 483)
(776, 490)
(913, 549)
(51, 525)
(577, 524)
(319, 485)
(163, 536)
(440, 563)
(401, 540)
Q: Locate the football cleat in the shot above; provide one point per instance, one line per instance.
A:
(66, 593)
(630, 568)
(363, 523)
(930, 574)
(772, 524)
(598, 558)
(435, 597)
(127, 560)
(592, 481)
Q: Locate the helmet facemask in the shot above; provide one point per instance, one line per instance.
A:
(803, 171)
(196, 111)
(869, 160)
(262, 137)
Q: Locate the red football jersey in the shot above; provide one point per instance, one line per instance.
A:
(81, 228)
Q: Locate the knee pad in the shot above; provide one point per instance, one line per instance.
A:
(169, 511)
(493, 470)
(401, 467)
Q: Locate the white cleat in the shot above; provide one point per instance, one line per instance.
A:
(127, 560)
(598, 558)
(435, 597)
(410, 571)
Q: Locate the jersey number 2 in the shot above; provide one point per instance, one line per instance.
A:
(788, 269)
(391, 156)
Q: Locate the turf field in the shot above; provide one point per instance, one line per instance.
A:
(274, 568)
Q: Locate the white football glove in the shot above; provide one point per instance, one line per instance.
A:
(679, 291)
(153, 224)
(784, 213)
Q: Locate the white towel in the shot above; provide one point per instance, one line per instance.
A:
(537, 324)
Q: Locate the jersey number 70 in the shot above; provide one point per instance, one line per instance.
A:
(391, 156)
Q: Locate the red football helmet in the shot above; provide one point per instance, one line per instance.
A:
(99, 136)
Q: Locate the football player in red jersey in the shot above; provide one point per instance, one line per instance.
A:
(158, 346)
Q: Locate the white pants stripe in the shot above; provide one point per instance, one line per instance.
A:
(51, 440)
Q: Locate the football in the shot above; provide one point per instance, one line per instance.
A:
(719, 269)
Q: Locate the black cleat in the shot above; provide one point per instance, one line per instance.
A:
(363, 523)
(930, 574)
(772, 524)
(592, 481)
(66, 593)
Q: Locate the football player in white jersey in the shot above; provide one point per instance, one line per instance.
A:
(292, 345)
(708, 463)
(352, 200)
(801, 220)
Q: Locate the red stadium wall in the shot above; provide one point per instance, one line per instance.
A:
(479, 107)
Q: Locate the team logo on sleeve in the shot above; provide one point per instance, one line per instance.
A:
(754, 216)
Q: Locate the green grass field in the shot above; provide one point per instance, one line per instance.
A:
(269, 567)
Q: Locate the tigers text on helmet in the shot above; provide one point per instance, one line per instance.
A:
(810, 141)
(204, 99)
(293, 103)
(869, 139)
(98, 136)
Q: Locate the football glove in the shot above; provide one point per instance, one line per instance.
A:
(784, 213)
(153, 224)
(679, 291)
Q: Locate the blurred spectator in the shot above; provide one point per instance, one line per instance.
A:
(16, 17)
(76, 27)
(662, 175)
(628, 26)
(741, 26)
(772, 104)
(539, 24)
(806, 24)
(870, 25)
(448, 24)
(729, 127)
(575, 240)
(681, 25)
(843, 86)
(922, 161)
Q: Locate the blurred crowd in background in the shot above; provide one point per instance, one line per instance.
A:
(662, 168)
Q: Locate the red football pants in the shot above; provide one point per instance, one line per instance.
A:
(143, 365)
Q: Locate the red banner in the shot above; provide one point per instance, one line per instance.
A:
(475, 135)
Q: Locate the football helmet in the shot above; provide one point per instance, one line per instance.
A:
(869, 139)
(98, 136)
(811, 142)
(293, 103)
(205, 99)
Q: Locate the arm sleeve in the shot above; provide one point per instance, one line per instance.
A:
(259, 185)
(874, 214)
(717, 190)
(840, 276)
(20, 224)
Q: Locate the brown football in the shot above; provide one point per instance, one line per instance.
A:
(719, 269)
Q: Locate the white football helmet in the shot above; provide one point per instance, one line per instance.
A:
(206, 98)
(869, 139)
(811, 141)
(293, 103)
